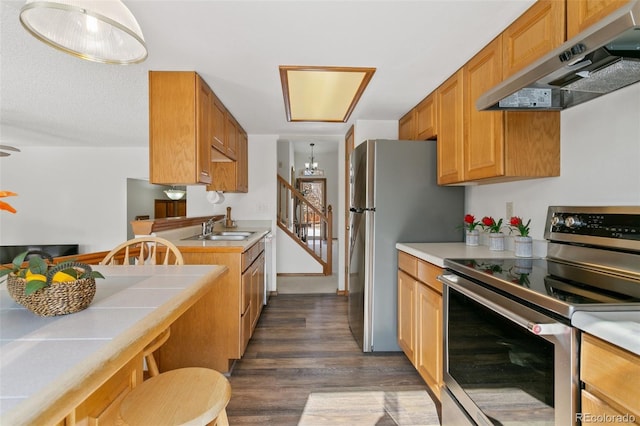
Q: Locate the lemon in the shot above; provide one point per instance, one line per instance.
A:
(62, 277)
(35, 277)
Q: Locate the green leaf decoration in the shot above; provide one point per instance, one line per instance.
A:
(19, 259)
(34, 285)
(96, 274)
(37, 265)
(71, 271)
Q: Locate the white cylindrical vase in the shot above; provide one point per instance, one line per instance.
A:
(472, 238)
(523, 246)
(496, 241)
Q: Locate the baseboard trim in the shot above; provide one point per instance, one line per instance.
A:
(319, 274)
(342, 292)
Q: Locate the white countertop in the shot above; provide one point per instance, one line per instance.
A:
(178, 236)
(435, 253)
(619, 328)
(41, 358)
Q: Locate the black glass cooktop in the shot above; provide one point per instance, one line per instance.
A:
(560, 287)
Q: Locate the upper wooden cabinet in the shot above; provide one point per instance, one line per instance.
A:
(232, 176)
(427, 118)
(421, 122)
(192, 136)
(179, 128)
(581, 14)
(218, 118)
(407, 126)
(450, 130)
(536, 32)
(491, 146)
(483, 147)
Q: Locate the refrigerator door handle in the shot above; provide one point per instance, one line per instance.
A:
(361, 209)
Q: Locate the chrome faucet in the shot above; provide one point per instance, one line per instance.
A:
(207, 227)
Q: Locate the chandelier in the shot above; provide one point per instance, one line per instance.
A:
(311, 168)
(100, 31)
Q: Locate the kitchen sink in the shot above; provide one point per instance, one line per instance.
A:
(223, 236)
(217, 237)
(231, 233)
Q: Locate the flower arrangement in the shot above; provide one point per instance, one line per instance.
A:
(490, 223)
(470, 222)
(39, 274)
(516, 223)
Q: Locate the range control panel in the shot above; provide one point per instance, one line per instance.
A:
(606, 222)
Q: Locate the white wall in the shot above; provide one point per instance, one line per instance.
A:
(600, 164)
(69, 195)
(374, 129)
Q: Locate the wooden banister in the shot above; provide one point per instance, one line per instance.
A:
(295, 213)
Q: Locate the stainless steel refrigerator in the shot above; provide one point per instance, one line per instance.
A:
(394, 198)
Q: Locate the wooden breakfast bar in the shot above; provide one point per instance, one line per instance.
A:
(74, 369)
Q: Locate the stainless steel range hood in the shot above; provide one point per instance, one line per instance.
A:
(601, 59)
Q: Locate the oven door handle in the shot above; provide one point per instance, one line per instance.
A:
(540, 329)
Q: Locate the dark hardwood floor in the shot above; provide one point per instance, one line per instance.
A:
(303, 367)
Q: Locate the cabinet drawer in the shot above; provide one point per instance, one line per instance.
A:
(428, 274)
(594, 408)
(408, 263)
(614, 372)
(252, 254)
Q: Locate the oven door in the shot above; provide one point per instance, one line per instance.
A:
(504, 363)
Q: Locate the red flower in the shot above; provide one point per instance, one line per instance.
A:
(489, 222)
(470, 222)
(516, 223)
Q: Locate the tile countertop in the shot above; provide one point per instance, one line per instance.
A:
(48, 359)
(619, 328)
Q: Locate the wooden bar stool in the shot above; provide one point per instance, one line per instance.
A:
(185, 396)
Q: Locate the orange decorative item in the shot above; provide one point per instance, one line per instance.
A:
(6, 206)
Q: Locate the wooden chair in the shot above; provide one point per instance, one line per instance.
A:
(193, 396)
(141, 251)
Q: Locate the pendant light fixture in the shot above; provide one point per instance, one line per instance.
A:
(175, 194)
(311, 168)
(100, 31)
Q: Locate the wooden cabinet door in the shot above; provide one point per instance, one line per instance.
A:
(218, 118)
(243, 162)
(426, 118)
(483, 135)
(231, 134)
(406, 314)
(581, 14)
(406, 127)
(204, 101)
(232, 176)
(429, 336)
(450, 130)
(536, 32)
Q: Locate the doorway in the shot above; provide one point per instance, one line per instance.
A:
(314, 190)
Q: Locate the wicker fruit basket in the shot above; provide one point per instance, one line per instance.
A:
(47, 289)
(58, 298)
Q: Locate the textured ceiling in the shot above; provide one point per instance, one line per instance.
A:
(50, 98)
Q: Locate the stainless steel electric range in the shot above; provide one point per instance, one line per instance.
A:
(511, 355)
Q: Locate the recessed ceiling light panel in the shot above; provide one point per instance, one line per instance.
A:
(327, 94)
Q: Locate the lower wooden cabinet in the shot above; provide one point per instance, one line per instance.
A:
(230, 312)
(610, 376)
(420, 317)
